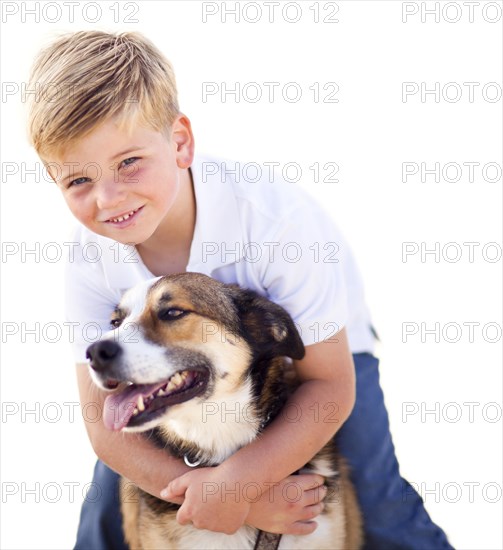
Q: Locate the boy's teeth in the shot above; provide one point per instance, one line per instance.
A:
(122, 218)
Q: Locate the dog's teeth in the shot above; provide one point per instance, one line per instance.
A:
(135, 412)
(171, 386)
(176, 379)
(140, 404)
(160, 393)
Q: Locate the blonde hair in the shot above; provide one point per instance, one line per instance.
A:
(86, 78)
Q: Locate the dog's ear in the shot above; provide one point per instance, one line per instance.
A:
(267, 324)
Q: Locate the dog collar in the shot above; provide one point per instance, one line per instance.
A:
(267, 541)
(191, 464)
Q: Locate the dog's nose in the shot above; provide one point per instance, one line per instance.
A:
(103, 354)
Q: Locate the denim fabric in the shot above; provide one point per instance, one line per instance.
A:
(100, 526)
(394, 515)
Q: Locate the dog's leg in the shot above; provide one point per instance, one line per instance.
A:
(130, 508)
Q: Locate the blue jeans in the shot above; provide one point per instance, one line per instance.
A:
(393, 513)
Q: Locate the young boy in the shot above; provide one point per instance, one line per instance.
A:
(113, 139)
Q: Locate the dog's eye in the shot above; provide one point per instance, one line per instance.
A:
(115, 323)
(171, 314)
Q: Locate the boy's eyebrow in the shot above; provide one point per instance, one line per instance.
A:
(128, 150)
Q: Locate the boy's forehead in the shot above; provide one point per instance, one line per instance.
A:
(98, 135)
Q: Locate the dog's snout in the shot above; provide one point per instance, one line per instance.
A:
(103, 354)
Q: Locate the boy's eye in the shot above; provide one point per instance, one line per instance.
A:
(127, 163)
(77, 182)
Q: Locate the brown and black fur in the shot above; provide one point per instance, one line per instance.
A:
(266, 335)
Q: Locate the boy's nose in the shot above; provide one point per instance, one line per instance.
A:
(109, 193)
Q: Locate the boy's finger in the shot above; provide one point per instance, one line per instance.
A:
(176, 488)
(311, 512)
(303, 528)
(309, 481)
(316, 495)
(182, 517)
(166, 492)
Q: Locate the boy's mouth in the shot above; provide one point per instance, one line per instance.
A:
(123, 218)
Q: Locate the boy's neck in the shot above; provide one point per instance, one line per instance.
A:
(168, 249)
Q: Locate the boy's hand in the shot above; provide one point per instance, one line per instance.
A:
(222, 506)
(211, 502)
(290, 506)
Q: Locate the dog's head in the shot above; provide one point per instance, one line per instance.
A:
(181, 339)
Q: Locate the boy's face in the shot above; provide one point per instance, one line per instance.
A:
(122, 186)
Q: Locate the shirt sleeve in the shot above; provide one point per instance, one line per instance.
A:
(89, 302)
(304, 273)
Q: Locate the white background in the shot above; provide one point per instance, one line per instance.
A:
(369, 133)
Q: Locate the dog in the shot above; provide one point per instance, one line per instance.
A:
(182, 349)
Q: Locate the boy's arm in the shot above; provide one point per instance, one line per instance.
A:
(318, 408)
(328, 386)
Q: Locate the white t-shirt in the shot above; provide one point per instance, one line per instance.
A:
(271, 237)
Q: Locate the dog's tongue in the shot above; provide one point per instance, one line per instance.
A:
(119, 407)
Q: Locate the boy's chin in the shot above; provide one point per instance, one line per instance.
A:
(133, 236)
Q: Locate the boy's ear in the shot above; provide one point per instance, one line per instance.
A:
(267, 324)
(184, 139)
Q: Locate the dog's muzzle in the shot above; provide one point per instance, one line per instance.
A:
(141, 403)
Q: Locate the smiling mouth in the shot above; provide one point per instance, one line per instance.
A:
(124, 217)
(139, 404)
